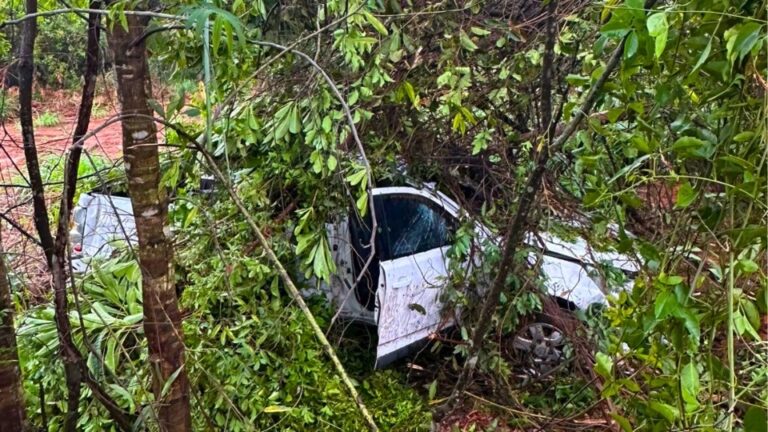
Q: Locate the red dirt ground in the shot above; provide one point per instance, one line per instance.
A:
(57, 139)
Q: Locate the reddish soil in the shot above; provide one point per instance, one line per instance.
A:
(57, 139)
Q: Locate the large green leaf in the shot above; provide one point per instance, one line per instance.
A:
(741, 39)
(689, 383)
(658, 28)
(685, 195)
(669, 412)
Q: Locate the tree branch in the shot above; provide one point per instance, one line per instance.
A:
(33, 16)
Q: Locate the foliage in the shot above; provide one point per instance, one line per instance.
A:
(46, 119)
(110, 316)
(684, 116)
(258, 357)
(671, 169)
(253, 362)
(8, 105)
(464, 97)
(59, 45)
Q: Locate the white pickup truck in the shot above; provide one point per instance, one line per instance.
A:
(401, 290)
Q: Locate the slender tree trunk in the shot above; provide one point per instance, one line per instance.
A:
(86, 102)
(75, 369)
(26, 72)
(162, 320)
(12, 417)
(42, 224)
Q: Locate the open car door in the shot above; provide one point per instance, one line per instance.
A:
(415, 232)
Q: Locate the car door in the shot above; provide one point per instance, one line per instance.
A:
(416, 233)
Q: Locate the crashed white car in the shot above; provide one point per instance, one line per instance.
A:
(400, 292)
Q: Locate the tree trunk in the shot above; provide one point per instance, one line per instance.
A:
(26, 72)
(162, 320)
(12, 416)
(42, 224)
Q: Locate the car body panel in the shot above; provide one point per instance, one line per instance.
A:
(408, 300)
(100, 220)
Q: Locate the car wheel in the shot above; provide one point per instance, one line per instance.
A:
(541, 346)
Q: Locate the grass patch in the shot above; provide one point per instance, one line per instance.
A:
(47, 119)
(9, 104)
(99, 111)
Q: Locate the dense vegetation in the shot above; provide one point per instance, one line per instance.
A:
(640, 126)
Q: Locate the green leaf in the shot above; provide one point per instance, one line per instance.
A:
(756, 419)
(664, 304)
(691, 323)
(667, 411)
(576, 80)
(630, 46)
(294, 123)
(685, 195)
(273, 409)
(466, 42)
(657, 24)
(110, 358)
(123, 20)
(362, 203)
(458, 123)
(658, 28)
(689, 383)
(623, 422)
(356, 177)
(670, 280)
(432, 390)
(751, 312)
(327, 124)
(123, 393)
(603, 364)
(692, 146)
(613, 114)
(479, 31)
(743, 326)
(332, 162)
(410, 92)
(218, 26)
(748, 266)
(169, 382)
(703, 57)
(619, 25)
(375, 23)
(282, 118)
(741, 39)
(743, 136)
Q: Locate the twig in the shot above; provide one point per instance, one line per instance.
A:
(54, 12)
(20, 229)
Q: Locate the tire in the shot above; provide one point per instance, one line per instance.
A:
(541, 343)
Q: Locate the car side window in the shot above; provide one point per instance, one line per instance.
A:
(412, 225)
